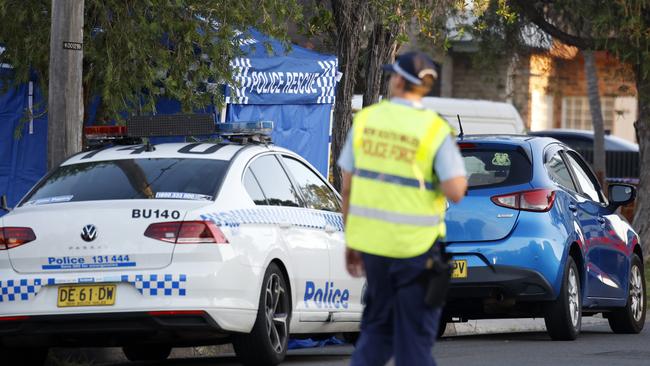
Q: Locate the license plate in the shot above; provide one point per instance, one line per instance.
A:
(86, 295)
(459, 269)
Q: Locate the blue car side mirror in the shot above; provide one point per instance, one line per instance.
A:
(620, 195)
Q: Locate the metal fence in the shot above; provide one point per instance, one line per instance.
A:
(618, 164)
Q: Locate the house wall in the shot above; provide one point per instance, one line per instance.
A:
(506, 80)
(560, 73)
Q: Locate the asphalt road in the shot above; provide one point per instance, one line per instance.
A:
(595, 346)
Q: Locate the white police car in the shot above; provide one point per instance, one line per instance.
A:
(180, 244)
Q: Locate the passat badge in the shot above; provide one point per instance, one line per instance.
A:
(89, 233)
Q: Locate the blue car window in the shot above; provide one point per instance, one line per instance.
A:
(494, 167)
(585, 180)
(559, 173)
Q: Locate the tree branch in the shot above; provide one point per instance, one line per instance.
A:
(530, 11)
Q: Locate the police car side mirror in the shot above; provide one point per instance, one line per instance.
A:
(3, 203)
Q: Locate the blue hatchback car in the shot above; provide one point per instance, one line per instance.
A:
(536, 237)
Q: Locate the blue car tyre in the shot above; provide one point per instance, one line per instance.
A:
(267, 343)
(631, 318)
(147, 352)
(564, 316)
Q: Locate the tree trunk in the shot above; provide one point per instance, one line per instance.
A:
(349, 17)
(642, 125)
(596, 116)
(380, 49)
(65, 100)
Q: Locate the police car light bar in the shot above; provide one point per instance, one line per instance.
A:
(171, 125)
(104, 132)
(245, 132)
(245, 128)
(178, 125)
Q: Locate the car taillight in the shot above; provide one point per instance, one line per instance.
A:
(13, 318)
(466, 145)
(537, 200)
(186, 232)
(11, 237)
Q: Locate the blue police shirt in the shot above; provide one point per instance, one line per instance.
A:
(448, 162)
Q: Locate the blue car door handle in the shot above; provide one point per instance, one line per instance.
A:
(573, 207)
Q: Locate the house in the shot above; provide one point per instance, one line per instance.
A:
(547, 85)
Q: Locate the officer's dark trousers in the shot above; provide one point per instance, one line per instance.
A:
(396, 322)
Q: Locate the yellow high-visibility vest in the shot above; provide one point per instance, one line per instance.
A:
(396, 206)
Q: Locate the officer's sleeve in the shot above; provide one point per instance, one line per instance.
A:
(346, 159)
(449, 162)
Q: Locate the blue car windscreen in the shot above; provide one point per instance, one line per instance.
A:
(494, 167)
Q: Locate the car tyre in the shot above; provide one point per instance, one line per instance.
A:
(267, 343)
(147, 352)
(442, 326)
(564, 316)
(24, 356)
(351, 337)
(631, 318)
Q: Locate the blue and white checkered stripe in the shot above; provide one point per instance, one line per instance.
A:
(147, 284)
(306, 218)
(158, 285)
(19, 290)
(327, 84)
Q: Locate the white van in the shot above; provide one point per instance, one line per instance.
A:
(477, 116)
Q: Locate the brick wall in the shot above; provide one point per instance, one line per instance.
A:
(506, 81)
(568, 79)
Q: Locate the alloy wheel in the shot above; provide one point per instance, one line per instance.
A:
(276, 313)
(574, 297)
(637, 297)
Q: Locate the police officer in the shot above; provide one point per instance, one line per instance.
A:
(400, 163)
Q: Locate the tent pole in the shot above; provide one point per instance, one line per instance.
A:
(30, 105)
(329, 143)
(222, 114)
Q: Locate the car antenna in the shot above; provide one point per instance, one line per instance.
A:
(460, 124)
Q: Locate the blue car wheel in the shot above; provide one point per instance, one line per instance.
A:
(631, 318)
(564, 316)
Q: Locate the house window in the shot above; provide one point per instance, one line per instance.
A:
(576, 113)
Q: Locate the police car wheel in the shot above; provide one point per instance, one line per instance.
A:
(351, 337)
(564, 315)
(147, 352)
(23, 356)
(267, 343)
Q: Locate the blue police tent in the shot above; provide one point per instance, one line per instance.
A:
(295, 88)
(23, 161)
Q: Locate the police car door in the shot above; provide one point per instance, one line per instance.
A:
(306, 242)
(342, 294)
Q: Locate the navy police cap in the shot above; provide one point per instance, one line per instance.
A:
(413, 67)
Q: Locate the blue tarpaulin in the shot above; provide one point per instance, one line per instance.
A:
(23, 161)
(294, 88)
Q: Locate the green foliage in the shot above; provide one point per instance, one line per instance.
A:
(138, 50)
(426, 18)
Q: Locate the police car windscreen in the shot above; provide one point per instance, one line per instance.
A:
(488, 168)
(169, 178)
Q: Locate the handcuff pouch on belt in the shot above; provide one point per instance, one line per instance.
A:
(437, 275)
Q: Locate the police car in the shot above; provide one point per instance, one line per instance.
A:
(150, 247)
